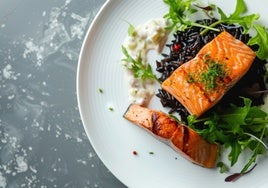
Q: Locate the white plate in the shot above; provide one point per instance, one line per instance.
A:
(114, 138)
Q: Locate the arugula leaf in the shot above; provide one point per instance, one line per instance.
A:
(223, 167)
(255, 112)
(235, 152)
(237, 17)
(261, 39)
(140, 70)
(179, 13)
(236, 116)
(239, 9)
(258, 150)
(236, 127)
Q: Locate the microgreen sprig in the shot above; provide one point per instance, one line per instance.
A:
(140, 70)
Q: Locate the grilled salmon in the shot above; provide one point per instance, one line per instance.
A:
(180, 137)
(201, 82)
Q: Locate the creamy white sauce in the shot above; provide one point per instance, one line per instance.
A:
(151, 35)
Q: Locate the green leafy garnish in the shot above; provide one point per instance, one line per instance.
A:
(179, 15)
(261, 39)
(131, 30)
(181, 10)
(140, 69)
(235, 127)
(223, 167)
(237, 17)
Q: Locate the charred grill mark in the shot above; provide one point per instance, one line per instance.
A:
(185, 139)
(155, 126)
(163, 125)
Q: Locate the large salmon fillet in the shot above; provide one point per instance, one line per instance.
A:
(201, 82)
(180, 137)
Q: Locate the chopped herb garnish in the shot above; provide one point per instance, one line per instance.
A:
(111, 109)
(100, 90)
(151, 152)
(215, 71)
(191, 78)
(211, 75)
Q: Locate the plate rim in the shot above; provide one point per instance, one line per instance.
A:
(79, 65)
(79, 78)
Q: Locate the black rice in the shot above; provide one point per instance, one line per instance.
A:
(186, 44)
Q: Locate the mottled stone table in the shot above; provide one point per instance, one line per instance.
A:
(42, 140)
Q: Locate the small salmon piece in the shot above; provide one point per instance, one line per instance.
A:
(187, 83)
(181, 138)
